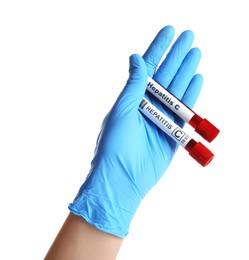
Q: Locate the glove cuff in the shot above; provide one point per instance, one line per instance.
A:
(105, 215)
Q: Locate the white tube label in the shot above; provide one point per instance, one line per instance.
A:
(167, 125)
(170, 100)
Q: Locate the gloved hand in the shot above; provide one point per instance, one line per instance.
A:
(131, 152)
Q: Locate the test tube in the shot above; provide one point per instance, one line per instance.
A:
(196, 149)
(201, 125)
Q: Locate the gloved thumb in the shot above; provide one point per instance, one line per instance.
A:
(138, 78)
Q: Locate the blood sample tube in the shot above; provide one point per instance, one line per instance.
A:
(196, 149)
(201, 125)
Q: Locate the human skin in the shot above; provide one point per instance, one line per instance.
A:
(78, 240)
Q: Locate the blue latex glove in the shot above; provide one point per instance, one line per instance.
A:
(131, 152)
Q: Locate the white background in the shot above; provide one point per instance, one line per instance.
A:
(62, 65)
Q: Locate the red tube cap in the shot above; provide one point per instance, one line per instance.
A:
(201, 154)
(207, 130)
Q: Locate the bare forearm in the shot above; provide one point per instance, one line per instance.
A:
(79, 240)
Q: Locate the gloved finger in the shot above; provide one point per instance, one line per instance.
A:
(135, 87)
(157, 48)
(185, 73)
(191, 94)
(169, 67)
